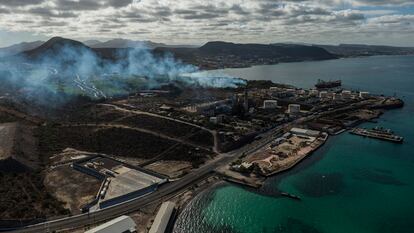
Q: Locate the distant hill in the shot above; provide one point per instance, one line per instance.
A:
(355, 50)
(218, 54)
(123, 43)
(18, 48)
(68, 50)
(281, 51)
(54, 47)
(91, 43)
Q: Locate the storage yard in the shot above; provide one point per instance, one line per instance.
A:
(282, 153)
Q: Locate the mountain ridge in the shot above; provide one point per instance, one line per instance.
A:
(358, 50)
(20, 47)
(221, 54)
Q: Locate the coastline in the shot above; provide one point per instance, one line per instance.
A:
(256, 180)
(304, 61)
(220, 182)
(366, 171)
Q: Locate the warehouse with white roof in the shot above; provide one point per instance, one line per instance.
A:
(163, 217)
(122, 224)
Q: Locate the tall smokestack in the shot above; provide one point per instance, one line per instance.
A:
(246, 101)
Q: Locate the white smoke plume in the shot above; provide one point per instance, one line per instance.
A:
(70, 70)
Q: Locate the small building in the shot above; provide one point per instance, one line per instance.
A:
(313, 92)
(118, 225)
(291, 90)
(246, 165)
(336, 96)
(166, 107)
(301, 92)
(270, 104)
(305, 132)
(217, 119)
(346, 94)
(163, 217)
(213, 120)
(323, 94)
(278, 141)
(293, 108)
(363, 94)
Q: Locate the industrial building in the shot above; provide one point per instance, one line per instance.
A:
(163, 218)
(313, 92)
(305, 132)
(217, 119)
(293, 108)
(122, 224)
(363, 94)
(207, 108)
(336, 96)
(245, 101)
(346, 94)
(270, 104)
(323, 94)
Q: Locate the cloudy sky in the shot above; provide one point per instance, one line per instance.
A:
(388, 22)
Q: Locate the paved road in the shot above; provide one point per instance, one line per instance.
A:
(162, 192)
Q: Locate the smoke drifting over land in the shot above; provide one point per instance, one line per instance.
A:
(61, 69)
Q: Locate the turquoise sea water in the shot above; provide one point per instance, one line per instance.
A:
(351, 185)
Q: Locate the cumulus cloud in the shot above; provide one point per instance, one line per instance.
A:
(188, 21)
(16, 3)
(383, 2)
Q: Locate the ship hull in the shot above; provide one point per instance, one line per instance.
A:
(376, 136)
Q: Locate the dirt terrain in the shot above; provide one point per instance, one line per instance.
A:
(47, 142)
(172, 169)
(7, 138)
(23, 196)
(18, 148)
(71, 187)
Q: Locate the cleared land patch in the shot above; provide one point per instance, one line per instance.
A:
(23, 196)
(170, 128)
(71, 187)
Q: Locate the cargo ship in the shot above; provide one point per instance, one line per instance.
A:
(321, 84)
(378, 133)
